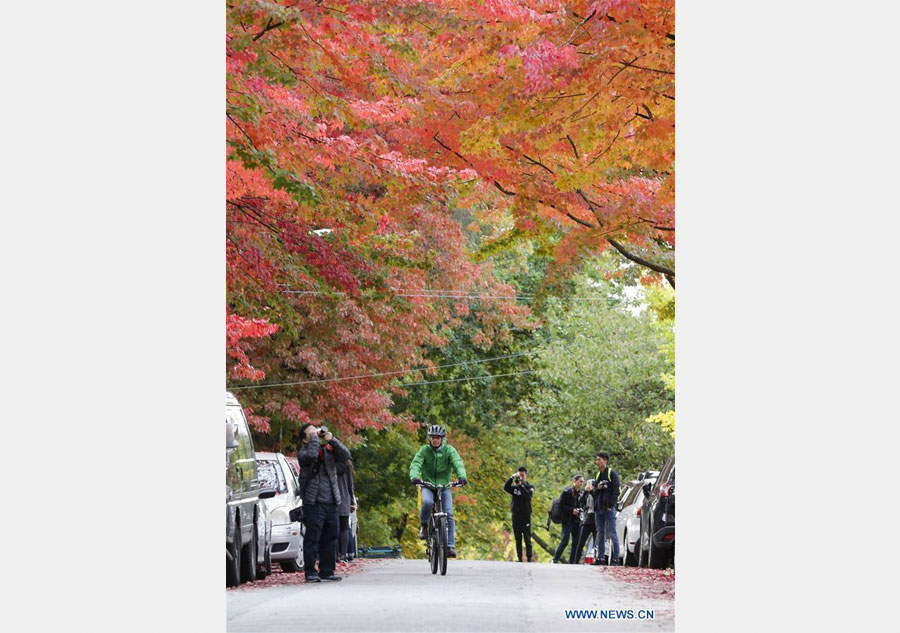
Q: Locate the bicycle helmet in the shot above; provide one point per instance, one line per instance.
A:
(436, 429)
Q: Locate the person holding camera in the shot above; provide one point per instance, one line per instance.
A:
(606, 496)
(587, 520)
(517, 485)
(318, 456)
(434, 462)
(571, 503)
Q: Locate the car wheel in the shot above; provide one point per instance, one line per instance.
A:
(656, 556)
(628, 558)
(233, 565)
(291, 566)
(266, 568)
(248, 559)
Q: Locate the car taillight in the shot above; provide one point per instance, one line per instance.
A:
(638, 513)
(668, 537)
(666, 489)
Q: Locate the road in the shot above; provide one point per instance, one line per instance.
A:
(402, 595)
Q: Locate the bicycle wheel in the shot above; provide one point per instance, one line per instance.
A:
(444, 546)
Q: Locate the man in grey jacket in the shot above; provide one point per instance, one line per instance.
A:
(318, 456)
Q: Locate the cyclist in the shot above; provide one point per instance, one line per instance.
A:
(433, 463)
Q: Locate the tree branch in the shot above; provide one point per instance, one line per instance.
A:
(269, 26)
(572, 143)
(637, 259)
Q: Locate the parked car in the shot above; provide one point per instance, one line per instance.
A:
(648, 474)
(383, 551)
(657, 540)
(287, 536)
(628, 521)
(247, 532)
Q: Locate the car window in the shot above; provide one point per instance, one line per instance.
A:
(664, 473)
(270, 475)
(288, 473)
(632, 496)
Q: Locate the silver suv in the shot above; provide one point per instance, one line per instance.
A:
(247, 531)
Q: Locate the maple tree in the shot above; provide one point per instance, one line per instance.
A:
(375, 121)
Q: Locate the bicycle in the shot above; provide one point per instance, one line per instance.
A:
(437, 532)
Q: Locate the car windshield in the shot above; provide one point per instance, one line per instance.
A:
(270, 475)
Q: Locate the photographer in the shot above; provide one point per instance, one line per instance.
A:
(318, 456)
(517, 485)
(571, 503)
(606, 495)
(587, 520)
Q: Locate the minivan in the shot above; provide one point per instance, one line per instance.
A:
(247, 531)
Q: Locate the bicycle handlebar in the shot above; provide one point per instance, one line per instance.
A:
(452, 484)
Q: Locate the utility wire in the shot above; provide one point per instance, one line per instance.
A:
(445, 296)
(434, 382)
(387, 373)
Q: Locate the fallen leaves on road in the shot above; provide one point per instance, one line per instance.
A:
(652, 583)
(279, 578)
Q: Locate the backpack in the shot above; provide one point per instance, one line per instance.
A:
(555, 511)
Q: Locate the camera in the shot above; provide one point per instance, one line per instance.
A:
(518, 479)
(602, 484)
(323, 431)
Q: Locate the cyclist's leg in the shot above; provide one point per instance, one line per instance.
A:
(448, 508)
(427, 505)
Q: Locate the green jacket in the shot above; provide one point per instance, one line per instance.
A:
(434, 466)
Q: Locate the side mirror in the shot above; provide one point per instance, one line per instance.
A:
(647, 488)
(266, 493)
(230, 440)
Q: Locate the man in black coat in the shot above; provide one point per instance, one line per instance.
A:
(606, 495)
(318, 456)
(517, 485)
(571, 502)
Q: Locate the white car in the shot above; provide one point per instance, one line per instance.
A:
(287, 536)
(628, 521)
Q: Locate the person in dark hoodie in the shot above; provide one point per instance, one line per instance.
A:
(346, 506)
(517, 485)
(318, 456)
(606, 495)
(571, 503)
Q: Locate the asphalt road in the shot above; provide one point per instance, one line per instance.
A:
(402, 595)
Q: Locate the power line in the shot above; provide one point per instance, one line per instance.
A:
(387, 373)
(444, 296)
(433, 382)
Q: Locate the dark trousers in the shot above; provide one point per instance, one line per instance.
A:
(344, 536)
(522, 528)
(320, 539)
(573, 529)
(587, 529)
